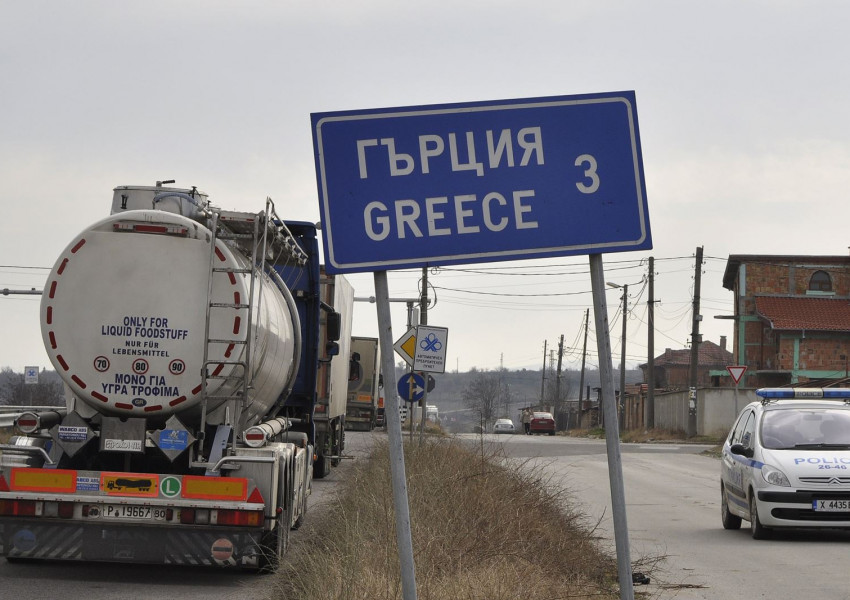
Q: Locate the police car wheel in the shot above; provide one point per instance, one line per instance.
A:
(730, 521)
(759, 531)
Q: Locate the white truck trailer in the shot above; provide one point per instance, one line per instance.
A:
(188, 339)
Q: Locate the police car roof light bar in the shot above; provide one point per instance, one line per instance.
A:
(803, 393)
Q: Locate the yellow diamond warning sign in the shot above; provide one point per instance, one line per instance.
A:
(405, 346)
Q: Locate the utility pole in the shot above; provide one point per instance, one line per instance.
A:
(423, 319)
(543, 383)
(650, 343)
(695, 340)
(583, 359)
(558, 379)
(623, 358)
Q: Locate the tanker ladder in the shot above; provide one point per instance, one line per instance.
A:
(261, 237)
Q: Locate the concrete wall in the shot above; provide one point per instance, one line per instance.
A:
(717, 409)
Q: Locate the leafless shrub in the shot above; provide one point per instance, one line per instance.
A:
(483, 529)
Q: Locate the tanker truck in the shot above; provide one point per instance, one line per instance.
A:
(189, 340)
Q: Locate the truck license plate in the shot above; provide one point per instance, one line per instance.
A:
(831, 505)
(125, 511)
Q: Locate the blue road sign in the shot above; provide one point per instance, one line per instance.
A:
(480, 182)
(404, 387)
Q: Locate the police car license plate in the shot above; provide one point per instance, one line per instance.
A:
(124, 511)
(831, 505)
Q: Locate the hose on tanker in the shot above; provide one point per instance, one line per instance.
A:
(296, 327)
(182, 195)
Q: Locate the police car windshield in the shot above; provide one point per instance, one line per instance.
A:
(799, 428)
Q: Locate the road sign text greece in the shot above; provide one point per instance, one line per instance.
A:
(430, 356)
(480, 182)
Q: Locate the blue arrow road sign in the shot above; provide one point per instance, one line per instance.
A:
(404, 387)
(480, 182)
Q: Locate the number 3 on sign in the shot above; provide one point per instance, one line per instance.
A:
(589, 172)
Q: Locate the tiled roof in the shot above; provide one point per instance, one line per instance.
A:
(710, 354)
(811, 314)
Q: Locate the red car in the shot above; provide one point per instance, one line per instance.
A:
(542, 422)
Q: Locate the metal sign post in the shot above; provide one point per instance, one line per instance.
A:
(612, 434)
(476, 182)
(404, 536)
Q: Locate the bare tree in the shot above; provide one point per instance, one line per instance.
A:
(483, 395)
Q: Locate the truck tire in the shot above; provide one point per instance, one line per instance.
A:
(272, 548)
(322, 467)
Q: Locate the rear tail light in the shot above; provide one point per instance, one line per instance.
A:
(66, 510)
(17, 508)
(187, 516)
(240, 518)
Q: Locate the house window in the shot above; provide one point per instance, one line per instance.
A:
(820, 282)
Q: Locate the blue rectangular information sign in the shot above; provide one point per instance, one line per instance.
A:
(480, 182)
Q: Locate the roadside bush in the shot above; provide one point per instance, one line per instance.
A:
(483, 529)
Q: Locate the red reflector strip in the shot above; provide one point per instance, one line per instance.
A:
(177, 401)
(52, 337)
(44, 480)
(100, 396)
(219, 254)
(153, 408)
(78, 381)
(62, 362)
(79, 245)
(62, 266)
(237, 323)
(124, 405)
(197, 390)
(49, 316)
(147, 228)
(52, 290)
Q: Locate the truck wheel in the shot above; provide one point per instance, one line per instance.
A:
(321, 468)
(272, 548)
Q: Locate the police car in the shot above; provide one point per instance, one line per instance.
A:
(786, 462)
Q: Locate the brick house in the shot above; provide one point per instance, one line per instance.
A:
(792, 317)
(673, 368)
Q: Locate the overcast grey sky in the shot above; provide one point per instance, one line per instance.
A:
(742, 109)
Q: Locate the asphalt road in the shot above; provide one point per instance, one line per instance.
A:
(46, 580)
(673, 508)
(673, 513)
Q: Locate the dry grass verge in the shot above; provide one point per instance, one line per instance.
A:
(482, 530)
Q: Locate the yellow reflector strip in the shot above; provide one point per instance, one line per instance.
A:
(129, 484)
(215, 488)
(43, 480)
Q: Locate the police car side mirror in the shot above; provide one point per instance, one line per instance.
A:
(740, 450)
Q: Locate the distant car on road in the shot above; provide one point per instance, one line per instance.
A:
(542, 422)
(504, 426)
(786, 462)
